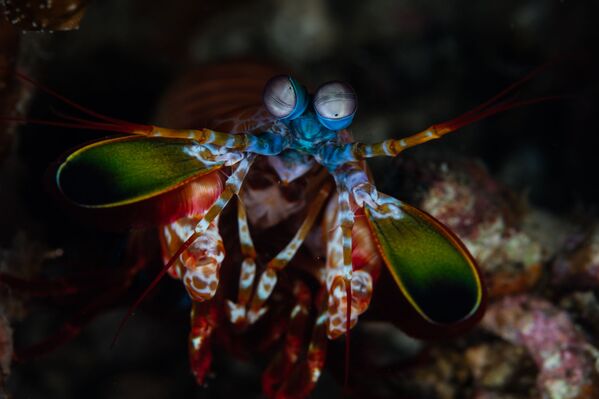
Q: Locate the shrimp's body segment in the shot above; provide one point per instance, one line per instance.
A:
(307, 129)
(362, 228)
(312, 127)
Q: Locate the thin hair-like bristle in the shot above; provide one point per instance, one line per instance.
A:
(86, 123)
(509, 89)
(466, 119)
(119, 125)
(152, 285)
(89, 125)
(493, 105)
(65, 100)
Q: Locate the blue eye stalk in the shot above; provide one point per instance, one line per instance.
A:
(285, 98)
(336, 124)
(334, 102)
(301, 99)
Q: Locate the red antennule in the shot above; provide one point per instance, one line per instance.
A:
(494, 106)
(104, 123)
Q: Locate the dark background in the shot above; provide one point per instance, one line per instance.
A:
(412, 64)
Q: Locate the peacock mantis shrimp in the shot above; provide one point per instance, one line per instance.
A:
(173, 177)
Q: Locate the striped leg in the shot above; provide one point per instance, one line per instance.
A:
(232, 187)
(202, 136)
(339, 270)
(240, 313)
(339, 154)
(268, 143)
(349, 290)
(247, 275)
(268, 279)
(334, 154)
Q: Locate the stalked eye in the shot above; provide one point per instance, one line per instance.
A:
(284, 98)
(335, 104)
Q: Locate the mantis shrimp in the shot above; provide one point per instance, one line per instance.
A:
(294, 140)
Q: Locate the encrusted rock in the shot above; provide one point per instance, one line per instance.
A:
(565, 358)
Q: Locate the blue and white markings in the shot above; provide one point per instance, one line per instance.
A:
(307, 130)
(335, 104)
(211, 154)
(285, 98)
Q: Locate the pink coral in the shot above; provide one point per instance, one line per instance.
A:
(565, 359)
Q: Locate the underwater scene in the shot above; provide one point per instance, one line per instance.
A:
(299, 199)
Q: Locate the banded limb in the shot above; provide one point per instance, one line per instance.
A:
(338, 154)
(247, 275)
(268, 143)
(250, 310)
(349, 291)
(232, 187)
(333, 154)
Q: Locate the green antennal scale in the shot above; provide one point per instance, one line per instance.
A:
(125, 170)
(430, 265)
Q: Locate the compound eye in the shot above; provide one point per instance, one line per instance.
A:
(283, 97)
(335, 100)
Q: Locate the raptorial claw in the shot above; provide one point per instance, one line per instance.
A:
(199, 266)
(361, 293)
(201, 282)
